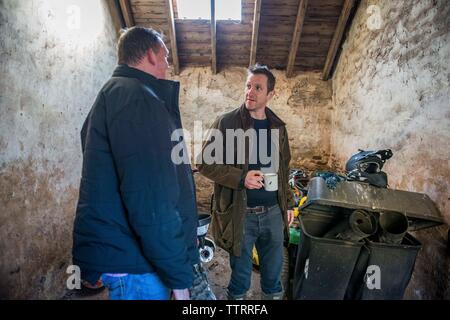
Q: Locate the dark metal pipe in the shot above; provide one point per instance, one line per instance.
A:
(361, 224)
(394, 226)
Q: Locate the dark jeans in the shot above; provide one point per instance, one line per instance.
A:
(265, 231)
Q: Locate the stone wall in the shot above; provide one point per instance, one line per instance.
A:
(391, 89)
(54, 58)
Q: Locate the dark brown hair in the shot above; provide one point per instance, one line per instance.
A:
(135, 42)
(263, 69)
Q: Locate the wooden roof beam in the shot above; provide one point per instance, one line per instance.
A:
(337, 38)
(213, 38)
(255, 32)
(127, 13)
(301, 12)
(116, 15)
(173, 37)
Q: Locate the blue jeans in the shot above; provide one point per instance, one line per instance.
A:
(145, 286)
(265, 231)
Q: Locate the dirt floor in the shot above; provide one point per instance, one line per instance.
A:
(219, 274)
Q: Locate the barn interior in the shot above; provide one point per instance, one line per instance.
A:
(350, 74)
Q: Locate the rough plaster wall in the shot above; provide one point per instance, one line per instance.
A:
(50, 76)
(303, 102)
(391, 89)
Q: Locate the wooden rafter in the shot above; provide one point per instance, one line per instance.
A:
(116, 15)
(256, 18)
(127, 13)
(337, 38)
(303, 5)
(213, 37)
(173, 37)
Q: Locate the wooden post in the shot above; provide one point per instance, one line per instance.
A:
(127, 13)
(213, 38)
(256, 17)
(173, 37)
(337, 38)
(303, 5)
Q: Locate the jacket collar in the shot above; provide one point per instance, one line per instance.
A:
(247, 121)
(165, 90)
(123, 70)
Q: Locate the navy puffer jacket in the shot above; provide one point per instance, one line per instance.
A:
(136, 211)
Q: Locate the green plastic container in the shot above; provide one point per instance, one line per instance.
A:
(294, 235)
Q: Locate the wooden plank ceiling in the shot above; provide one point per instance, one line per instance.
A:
(293, 35)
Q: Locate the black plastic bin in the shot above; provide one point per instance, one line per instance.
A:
(393, 263)
(337, 269)
(324, 266)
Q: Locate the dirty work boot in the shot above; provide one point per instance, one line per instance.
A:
(200, 289)
(231, 296)
(272, 296)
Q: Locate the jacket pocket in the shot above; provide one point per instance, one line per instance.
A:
(224, 201)
(222, 228)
